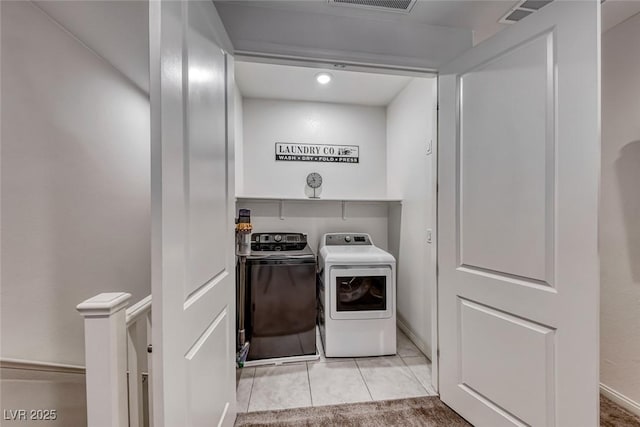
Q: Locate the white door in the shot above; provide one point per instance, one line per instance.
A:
(517, 222)
(192, 219)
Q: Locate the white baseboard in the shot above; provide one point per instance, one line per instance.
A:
(620, 399)
(424, 347)
(51, 386)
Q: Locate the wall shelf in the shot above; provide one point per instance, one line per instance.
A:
(307, 199)
(343, 201)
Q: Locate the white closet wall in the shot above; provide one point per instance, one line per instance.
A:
(269, 121)
(238, 118)
(410, 126)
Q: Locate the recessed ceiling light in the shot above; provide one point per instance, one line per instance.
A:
(323, 78)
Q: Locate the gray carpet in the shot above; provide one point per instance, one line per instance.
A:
(416, 412)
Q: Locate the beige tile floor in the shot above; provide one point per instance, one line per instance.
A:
(330, 381)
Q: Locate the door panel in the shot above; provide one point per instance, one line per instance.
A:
(206, 157)
(506, 154)
(192, 219)
(515, 382)
(517, 223)
(207, 360)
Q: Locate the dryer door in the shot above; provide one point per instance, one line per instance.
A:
(361, 293)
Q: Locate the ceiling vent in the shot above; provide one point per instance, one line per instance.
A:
(523, 9)
(402, 6)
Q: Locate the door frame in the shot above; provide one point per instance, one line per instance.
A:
(378, 68)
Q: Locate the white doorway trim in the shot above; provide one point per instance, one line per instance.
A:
(309, 62)
(435, 352)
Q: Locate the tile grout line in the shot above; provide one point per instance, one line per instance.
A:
(364, 379)
(421, 354)
(410, 370)
(309, 381)
(414, 374)
(253, 379)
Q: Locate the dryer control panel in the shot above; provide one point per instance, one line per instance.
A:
(348, 239)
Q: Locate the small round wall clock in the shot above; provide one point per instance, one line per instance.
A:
(314, 181)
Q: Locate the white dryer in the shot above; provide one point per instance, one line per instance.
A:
(356, 296)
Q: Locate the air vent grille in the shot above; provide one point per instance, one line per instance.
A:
(517, 15)
(522, 10)
(534, 4)
(388, 5)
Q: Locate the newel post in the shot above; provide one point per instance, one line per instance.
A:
(105, 341)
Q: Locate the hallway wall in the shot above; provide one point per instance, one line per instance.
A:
(619, 211)
(75, 186)
(64, 392)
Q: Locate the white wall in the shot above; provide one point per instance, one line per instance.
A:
(75, 186)
(238, 143)
(269, 121)
(30, 389)
(620, 211)
(410, 125)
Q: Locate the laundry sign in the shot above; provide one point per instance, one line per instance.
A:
(292, 152)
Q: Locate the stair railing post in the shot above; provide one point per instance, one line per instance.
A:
(105, 341)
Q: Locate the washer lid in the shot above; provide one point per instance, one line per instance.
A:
(304, 255)
(356, 255)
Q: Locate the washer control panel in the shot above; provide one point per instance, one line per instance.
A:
(278, 241)
(351, 239)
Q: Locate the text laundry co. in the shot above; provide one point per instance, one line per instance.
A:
(317, 152)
